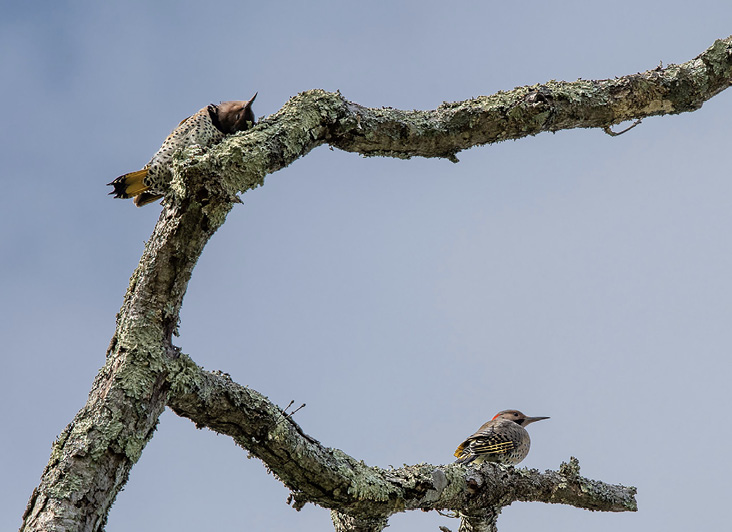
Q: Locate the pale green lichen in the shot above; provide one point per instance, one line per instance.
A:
(184, 377)
(134, 446)
(57, 449)
(138, 377)
(364, 483)
(107, 430)
(368, 484)
(68, 487)
(570, 469)
(455, 482)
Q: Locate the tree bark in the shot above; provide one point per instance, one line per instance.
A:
(348, 523)
(332, 479)
(486, 521)
(144, 372)
(91, 459)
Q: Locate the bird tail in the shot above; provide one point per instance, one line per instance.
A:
(463, 454)
(133, 185)
(129, 185)
(145, 198)
(466, 458)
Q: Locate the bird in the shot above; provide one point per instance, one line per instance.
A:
(205, 128)
(503, 439)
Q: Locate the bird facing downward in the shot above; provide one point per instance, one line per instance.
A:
(205, 128)
(503, 439)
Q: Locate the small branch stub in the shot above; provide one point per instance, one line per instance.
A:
(612, 133)
(332, 479)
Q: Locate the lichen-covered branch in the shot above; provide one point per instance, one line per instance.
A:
(486, 520)
(92, 457)
(349, 523)
(316, 117)
(361, 495)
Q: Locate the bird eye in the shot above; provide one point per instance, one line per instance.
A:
(236, 118)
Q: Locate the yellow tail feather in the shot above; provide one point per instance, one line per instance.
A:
(133, 182)
(130, 185)
(459, 450)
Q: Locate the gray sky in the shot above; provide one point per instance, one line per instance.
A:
(573, 275)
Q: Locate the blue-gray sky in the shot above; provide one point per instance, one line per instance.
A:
(573, 275)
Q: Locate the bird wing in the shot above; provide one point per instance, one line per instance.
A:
(493, 444)
(486, 442)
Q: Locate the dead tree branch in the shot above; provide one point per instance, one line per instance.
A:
(332, 479)
(91, 459)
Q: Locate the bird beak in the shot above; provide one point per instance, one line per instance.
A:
(532, 419)
(252, 98)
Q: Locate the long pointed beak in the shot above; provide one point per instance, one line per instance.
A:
(532, 419)
(251, 100)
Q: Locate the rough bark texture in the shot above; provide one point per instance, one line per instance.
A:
(483, 522)
(348, 523)
(332, 479)
(91, 459)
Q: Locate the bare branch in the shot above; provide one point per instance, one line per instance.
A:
(348, 523)
(316, 117)
(332, 479)
(618, 133)
(91, 459)
(485, 521)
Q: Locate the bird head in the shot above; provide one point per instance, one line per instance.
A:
(235, 115)
(517, 417)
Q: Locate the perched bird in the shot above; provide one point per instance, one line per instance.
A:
(503, 439)
(206, 128)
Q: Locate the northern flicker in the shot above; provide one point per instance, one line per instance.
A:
(503, 439)
(205, 128)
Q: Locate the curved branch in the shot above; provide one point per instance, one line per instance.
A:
(91, 459)
(331, 478)
(316, 117)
